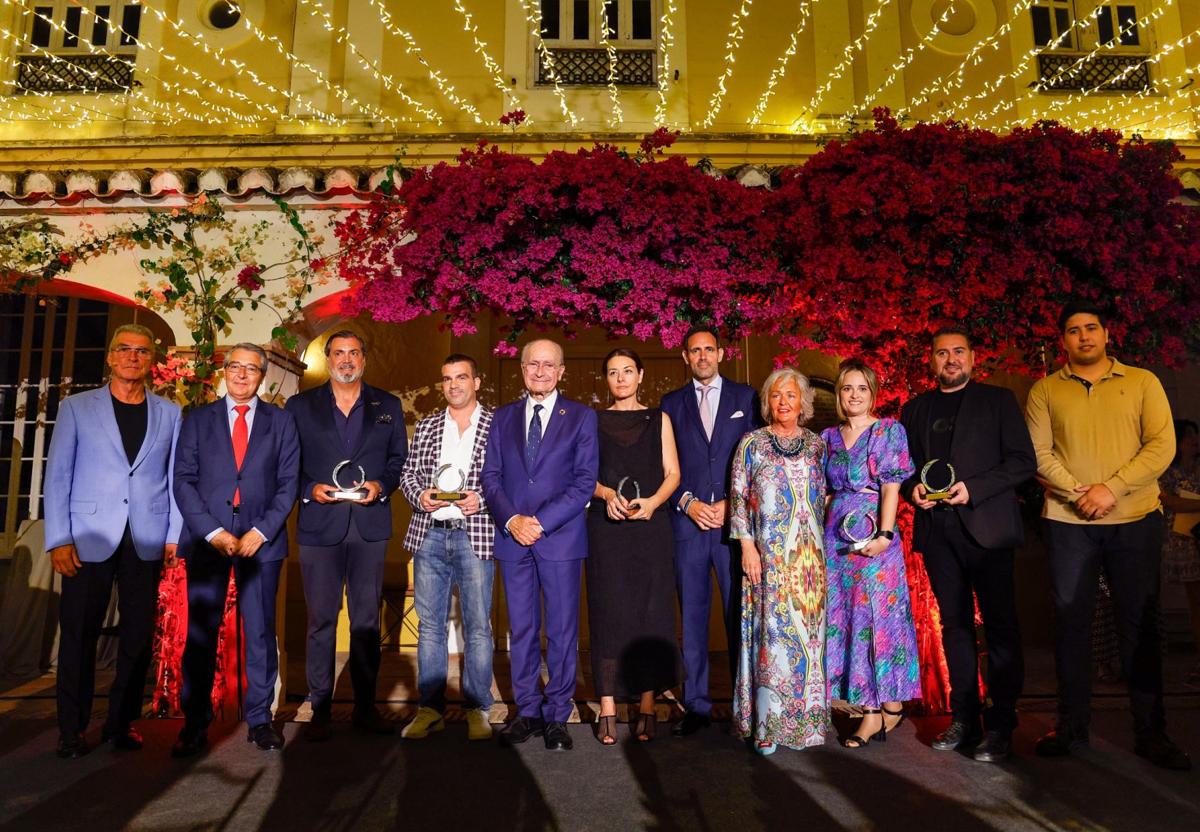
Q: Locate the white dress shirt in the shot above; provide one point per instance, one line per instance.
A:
(457, 452)
(547, 409)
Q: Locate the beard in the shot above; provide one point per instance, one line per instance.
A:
(953, 377)
(347, 376)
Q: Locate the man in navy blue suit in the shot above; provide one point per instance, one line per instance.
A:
(710, 414)
(343, 542)
(539, 472)
(237, 468)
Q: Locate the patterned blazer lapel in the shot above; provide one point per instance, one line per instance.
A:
(481, 433)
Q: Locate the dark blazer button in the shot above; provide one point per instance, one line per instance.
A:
(131, 474)
(126, 502)
(229, 502)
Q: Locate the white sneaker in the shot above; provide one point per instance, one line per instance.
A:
(479, 727)
(426, 722)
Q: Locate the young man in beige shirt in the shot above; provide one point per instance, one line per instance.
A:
(1103, 435)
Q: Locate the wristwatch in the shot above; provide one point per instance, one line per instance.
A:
(890, 534)
(684, 500)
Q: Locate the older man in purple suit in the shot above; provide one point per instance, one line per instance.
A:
(539, 472)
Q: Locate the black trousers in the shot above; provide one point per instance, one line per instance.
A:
(84, 601)
(1130, 554)
(959, 571)
(357, 565)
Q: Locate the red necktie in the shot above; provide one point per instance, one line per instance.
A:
(241, 437)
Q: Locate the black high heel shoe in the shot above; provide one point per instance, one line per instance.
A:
(856, 741)
(606, 730)
(645, 727)
(886, 730)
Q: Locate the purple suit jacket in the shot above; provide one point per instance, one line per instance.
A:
(556, 491)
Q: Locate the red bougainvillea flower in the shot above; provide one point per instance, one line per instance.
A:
(250, 278)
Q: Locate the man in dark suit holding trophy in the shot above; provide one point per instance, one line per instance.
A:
(352, 449)
(971, 450)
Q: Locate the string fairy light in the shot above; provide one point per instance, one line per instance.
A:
(481, 49)
(393, 86)
(410, 47)
(955, 80)
(242, 70)
(1064, 72)
(666, 38)
(905, 60)
(848, 55)
(337, 91)
(610, 52)
(533, 16)
(132, 93)
(733, 40)
(781, 64)
(1055, 106)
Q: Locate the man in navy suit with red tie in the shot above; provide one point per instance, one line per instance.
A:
(237, 468)
(539, 472)
(710, 414)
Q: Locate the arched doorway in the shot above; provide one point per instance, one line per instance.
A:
(52, 344)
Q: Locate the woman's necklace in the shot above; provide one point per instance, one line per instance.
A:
(787, 445)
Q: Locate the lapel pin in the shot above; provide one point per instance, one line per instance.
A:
(562, 411)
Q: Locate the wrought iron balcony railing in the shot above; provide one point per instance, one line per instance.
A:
(589, 68)
(1104, 73)
(74, 73)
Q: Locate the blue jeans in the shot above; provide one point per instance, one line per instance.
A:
(445, 560)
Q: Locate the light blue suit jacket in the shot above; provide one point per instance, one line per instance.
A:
(92, 491)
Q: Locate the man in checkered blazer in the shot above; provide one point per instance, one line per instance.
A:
(451, 542)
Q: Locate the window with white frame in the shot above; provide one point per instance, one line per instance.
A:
(580, 32)
(1108, 33)
(78, 46)
(1083, 25)
(65, 26)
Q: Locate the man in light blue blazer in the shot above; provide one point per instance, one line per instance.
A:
(110, 517)
(711, 414)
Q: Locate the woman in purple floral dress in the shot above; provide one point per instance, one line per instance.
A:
(871, 656)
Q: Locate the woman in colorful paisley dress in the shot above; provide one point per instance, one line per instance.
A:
(777, 501)
(871, 653)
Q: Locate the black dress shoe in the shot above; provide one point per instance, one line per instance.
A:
(189, 743)
(370, 721)
(690, 724)
(265, 737)
(521, 729)
(72, 746)
(317, 729)
(126, 739)
(996, 746)
(1060, 742)
(557, 738)
(1163, 753)
(958, 735)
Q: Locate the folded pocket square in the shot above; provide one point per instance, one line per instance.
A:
(737, 415)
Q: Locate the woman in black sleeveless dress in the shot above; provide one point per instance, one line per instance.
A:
(630, 565)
